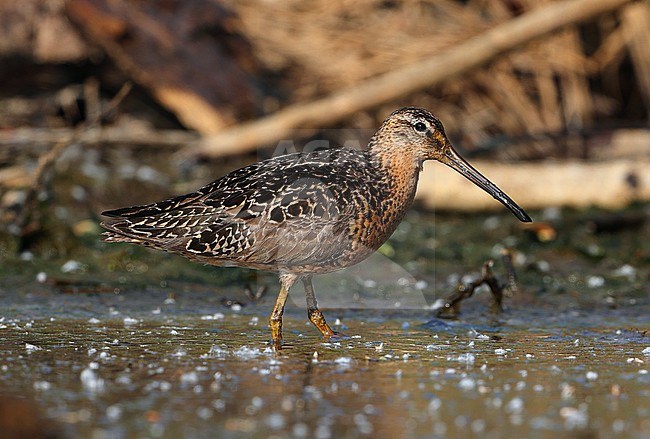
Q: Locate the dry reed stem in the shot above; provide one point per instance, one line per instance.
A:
(636, 21)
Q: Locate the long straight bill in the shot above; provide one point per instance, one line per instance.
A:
(456, 162)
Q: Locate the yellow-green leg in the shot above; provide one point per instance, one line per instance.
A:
(314, 314)
(275, 321)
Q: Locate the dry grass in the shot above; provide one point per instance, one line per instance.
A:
(544, 88)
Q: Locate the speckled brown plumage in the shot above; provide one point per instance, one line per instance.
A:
(301, 214)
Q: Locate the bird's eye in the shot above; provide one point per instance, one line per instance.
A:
(420, 127)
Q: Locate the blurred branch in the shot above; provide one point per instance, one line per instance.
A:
(116, 100)
(45, 162)
(27, 220)
(99, 135)
(398, 83)
(451, 307)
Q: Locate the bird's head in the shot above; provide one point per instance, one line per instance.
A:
(415, 135)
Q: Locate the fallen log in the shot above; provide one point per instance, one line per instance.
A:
(172, 51)
(609, 184)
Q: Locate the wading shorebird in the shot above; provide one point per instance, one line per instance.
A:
(302, 214)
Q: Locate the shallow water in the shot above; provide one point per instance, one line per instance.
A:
(167, 374)
(113, 341)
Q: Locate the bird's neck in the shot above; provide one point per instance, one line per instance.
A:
(399, 172)
(394, 181)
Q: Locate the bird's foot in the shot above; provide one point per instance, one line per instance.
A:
(336, 337)
(276, 333)
(276, 344)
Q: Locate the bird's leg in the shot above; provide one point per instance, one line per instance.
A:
(275, 321)
(315, 316)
